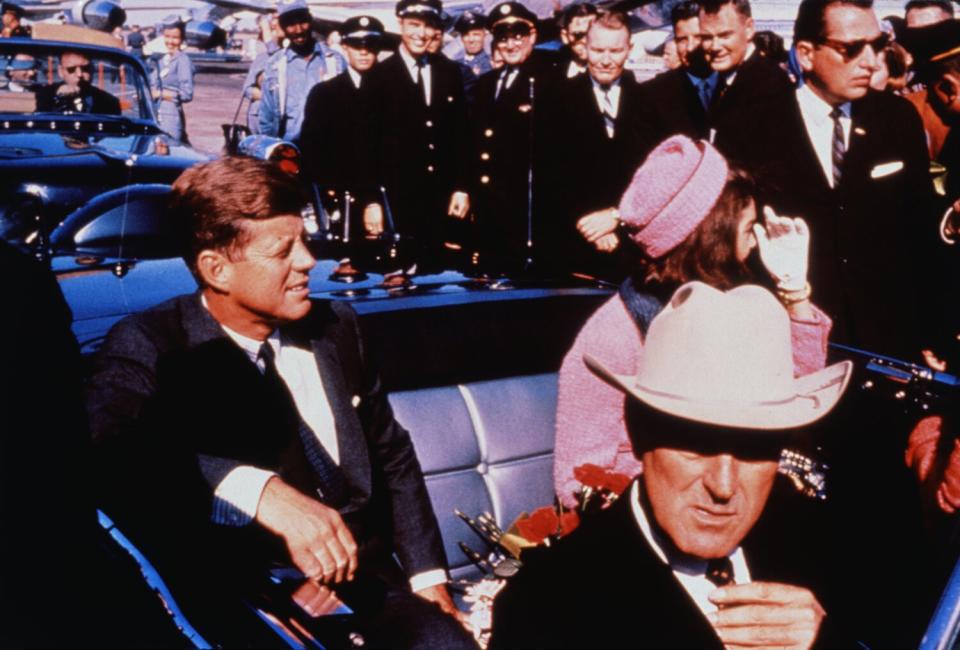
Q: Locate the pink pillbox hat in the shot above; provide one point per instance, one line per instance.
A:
(672, 192)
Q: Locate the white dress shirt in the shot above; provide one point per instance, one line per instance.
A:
(574, 68)
(816, 117)
(354, 76)
(689, 572)
(411, 64)
(613, 94)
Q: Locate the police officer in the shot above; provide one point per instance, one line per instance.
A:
(293, 71)
(339, 135)
(171, 81)
(421, 113)
(508, 136)
(470, 26)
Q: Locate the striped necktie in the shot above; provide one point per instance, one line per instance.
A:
(609, 118)
(330, 479)
(839, 148)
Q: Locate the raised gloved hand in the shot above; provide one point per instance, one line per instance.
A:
(784, 244)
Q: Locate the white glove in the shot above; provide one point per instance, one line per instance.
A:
(784, 245)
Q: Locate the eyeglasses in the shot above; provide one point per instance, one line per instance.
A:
(850, 50)
(73, 69)
(577, 36)
(515, 33)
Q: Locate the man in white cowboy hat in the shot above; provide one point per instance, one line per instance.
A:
(711, 552)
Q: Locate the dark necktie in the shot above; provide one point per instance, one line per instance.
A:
(504, 79)
(839, 149)
(421, 63)
(332, 484)
(703, 89)
(720, 571)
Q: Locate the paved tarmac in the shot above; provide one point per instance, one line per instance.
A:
(215, 98)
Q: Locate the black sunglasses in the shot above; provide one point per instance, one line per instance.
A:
(72, 69)
(850, 50)
(577, 36)
(514, 31)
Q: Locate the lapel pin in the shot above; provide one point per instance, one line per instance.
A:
(355, 401)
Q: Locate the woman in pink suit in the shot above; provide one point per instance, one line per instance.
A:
(693, 217)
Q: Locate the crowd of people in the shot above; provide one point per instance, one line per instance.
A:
(755, 205)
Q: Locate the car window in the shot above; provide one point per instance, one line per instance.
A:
(58, 80)
(137, 229)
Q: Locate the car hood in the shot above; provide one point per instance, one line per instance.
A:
(28, 150)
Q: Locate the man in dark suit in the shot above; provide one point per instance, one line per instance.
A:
(593, 163)
(268, 436)
(676, 101)
(75, 93)
(853, 163)
(645, 573)
(574, 24)
(508, 130)
(422, 148)
(750, 89)
(338, 135)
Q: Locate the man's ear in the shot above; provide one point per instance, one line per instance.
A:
(215, 269)
(748, 25)
(564, 37)
(805, 55)
(533, 33)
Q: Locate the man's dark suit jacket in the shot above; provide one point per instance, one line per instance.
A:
(745, 114)
(587, 169)
(175, 405)
(605, 587)
(337, 138)
(421, 150)
(509, 134)
(670, 105)
(871, 236)
(94, 99)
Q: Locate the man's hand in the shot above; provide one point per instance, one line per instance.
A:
(373, 219)
(459, 205)
(766, 615)
(598, 224)
(318, 541)
(316, 599)
(66, 90)
(441, 596)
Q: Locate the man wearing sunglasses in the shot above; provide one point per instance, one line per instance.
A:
(74, 93)
(853, 162)
(577, 19)
(508, 121)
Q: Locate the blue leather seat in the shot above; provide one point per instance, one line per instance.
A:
(483, 446)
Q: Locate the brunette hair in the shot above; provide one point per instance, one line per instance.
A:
(210, 202)
(708, 253)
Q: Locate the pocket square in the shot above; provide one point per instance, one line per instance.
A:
(355, 401)
(885, 169)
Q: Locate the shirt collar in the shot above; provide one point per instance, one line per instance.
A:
(250, 346)
(712, 79)
(354, 76)
(812, 104)
(319, 49)
(613, 86)
(410, 61)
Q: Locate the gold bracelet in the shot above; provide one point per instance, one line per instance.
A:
(792, 297)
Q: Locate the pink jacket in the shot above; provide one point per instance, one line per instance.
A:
(590, 426)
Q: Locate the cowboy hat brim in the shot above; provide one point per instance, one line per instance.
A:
(816, 395)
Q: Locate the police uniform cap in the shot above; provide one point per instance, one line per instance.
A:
(932, 43)
(12, 6)
(362, 31)
(426, 9)
(287, 7)
(469, 21)
(509, 13)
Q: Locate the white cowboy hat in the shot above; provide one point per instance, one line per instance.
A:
(725, 358)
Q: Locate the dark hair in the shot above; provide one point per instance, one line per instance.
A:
(686, 10)
(577, 10)
(896, 59)
(810, 24)
(708, 253)
(210, 202)
(712, 7)
(770, 45)
(178, 25)
(944, 5)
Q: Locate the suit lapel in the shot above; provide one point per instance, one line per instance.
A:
(354, 453)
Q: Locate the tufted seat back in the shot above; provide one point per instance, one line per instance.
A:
(483, 446)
